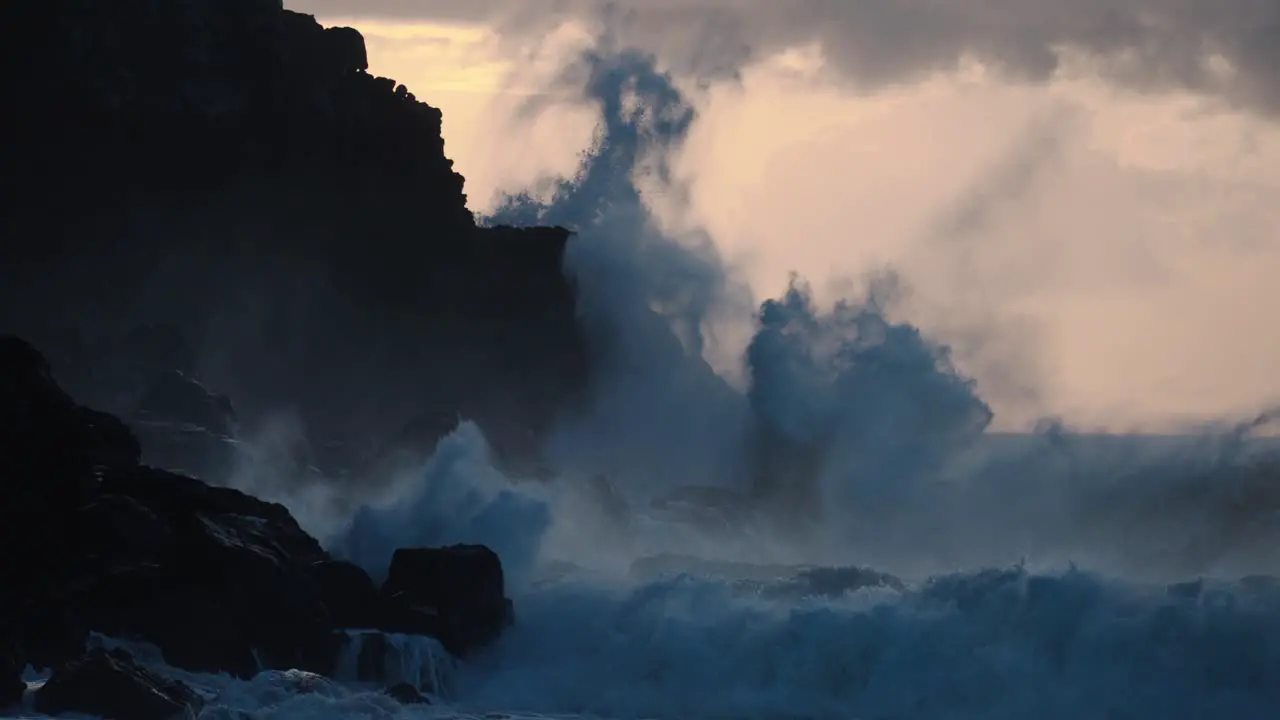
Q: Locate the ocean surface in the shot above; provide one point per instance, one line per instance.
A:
(1045, 575)
(817, 643)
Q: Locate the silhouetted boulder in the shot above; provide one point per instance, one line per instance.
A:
(218, 580)
(108, 684)
(453, 593)
(346, 48)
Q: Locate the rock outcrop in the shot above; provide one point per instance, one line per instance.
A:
(233, 171)
(12, 664)
(108, 684)
(185, 427)
(219, 581)
(455, 594)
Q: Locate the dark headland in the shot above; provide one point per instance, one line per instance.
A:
(223, 189)
(211, 210)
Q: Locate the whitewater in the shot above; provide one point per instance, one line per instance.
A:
(939, 570)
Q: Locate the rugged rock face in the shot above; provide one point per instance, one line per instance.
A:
(185, 427)
(218, 580)
(231, 170)
(108, 684)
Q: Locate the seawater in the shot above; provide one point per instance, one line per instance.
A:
(1005, 643)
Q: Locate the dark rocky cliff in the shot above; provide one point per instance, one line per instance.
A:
(232, 172)
(217, 580)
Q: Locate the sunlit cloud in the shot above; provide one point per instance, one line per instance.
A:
(1095, 247)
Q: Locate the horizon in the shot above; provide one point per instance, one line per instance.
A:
(1064, 236)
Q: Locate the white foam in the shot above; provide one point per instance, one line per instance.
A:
(414, 659)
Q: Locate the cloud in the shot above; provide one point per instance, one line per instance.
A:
(1010, 181)
(1226, 49)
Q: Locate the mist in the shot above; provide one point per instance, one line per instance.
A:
(845, 436)
(705, 487)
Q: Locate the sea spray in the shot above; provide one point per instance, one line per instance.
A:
(992, 620)
(457, 497)
(370, 656)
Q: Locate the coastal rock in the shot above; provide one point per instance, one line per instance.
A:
(184, 427)
(283, 684)
(291, 215)
(348, 592)
(12, 664)
(377, 657)
(346, 47)
(227, 592)
(147, 377)
(44, 423)
(256, 213)
(216, 579)
(453, 593)
(108, 684)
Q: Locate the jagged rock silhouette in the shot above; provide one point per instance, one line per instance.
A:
(232, 169)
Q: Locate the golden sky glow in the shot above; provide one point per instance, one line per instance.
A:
(1124, 280)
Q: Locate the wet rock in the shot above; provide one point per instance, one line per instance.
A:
(454, 593)
(109, 685)
(280, 685)
(230, 590)
(217, 580)
(374, 656)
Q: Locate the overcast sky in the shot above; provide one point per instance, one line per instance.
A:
(1082, 195)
